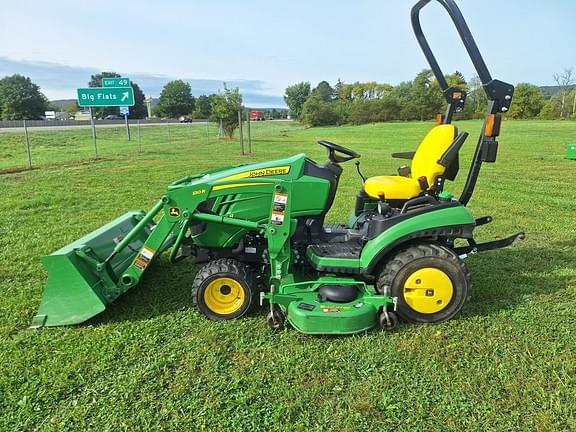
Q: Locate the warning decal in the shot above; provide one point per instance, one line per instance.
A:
(279, 209)
(144, 258)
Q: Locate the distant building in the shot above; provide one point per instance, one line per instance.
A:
(82, 115)
(55, 115)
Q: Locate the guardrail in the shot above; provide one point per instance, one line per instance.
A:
(4, 124)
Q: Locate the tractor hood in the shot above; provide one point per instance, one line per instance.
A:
(289, 168)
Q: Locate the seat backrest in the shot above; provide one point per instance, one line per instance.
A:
(430, 151)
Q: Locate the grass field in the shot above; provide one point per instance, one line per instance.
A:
(151, 362)
(48, 148)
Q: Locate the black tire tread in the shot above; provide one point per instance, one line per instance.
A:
(225, 265)
(413, 252)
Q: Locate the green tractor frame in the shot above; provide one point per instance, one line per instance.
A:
(258, 230)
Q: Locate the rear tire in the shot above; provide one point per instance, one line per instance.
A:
(430, 282)
(224, 289)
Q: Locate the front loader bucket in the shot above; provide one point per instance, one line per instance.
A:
(77, 288)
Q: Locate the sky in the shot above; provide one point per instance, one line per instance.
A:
(264, 46)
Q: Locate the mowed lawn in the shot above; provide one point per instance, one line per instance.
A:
(152, 362)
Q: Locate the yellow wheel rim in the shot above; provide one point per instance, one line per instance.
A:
(224, 296)
(428, 290)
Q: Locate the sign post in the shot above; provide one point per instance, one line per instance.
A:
(125, 111)
(115, 92)
(93, 133)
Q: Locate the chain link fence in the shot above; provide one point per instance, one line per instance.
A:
(27, 145)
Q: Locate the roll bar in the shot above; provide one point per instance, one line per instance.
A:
(498, 92)
(495, 90)
(464, 33)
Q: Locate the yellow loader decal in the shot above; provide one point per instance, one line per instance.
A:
(264, 172)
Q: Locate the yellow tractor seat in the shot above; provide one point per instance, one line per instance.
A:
(425, 163)
(392, 187)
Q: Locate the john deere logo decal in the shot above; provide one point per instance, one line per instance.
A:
(269, 172)
(174, 211)
(264, 172)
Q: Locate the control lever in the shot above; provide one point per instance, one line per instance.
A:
(383, 206)
(309, 223)
(359, 173)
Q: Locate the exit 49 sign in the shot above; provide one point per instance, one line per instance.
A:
(115, 82)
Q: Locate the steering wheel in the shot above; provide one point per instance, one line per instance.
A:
(333, 149)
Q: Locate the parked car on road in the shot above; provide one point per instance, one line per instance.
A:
(185, 119)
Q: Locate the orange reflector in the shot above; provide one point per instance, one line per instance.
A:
(490, 123)
(439, 119)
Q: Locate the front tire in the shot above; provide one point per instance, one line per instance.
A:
(224, 289)
(430, 282)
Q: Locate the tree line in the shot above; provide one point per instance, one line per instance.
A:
(420, 99)
(357, 103)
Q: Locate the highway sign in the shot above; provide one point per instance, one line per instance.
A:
(106, 96)
(115, 82)
(124, 111)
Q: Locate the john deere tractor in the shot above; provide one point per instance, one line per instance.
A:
(258, 235)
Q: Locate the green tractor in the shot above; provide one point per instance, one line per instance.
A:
(259, 231)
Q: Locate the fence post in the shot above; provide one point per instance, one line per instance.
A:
(139, 138)
(169, 132)
(241, 132)
(28, 145)
(208, 131)
(249, 133)
(127, 126)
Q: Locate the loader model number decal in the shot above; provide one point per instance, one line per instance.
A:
(144, 258)
(279, 209)
(198, 192)
(269, 172)
(174, 211)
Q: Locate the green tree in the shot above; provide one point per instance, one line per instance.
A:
(21, 99)
(425, 96)
(318, 112)
(528, 101)
(72, 108)
(175, 99)
(139, 110)
(457, 80)
(324, 91)
(338, 89)
(476, 101)
(552, 108)
(401, 94)
(295, 96)
(203, 107)
(225, 107)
